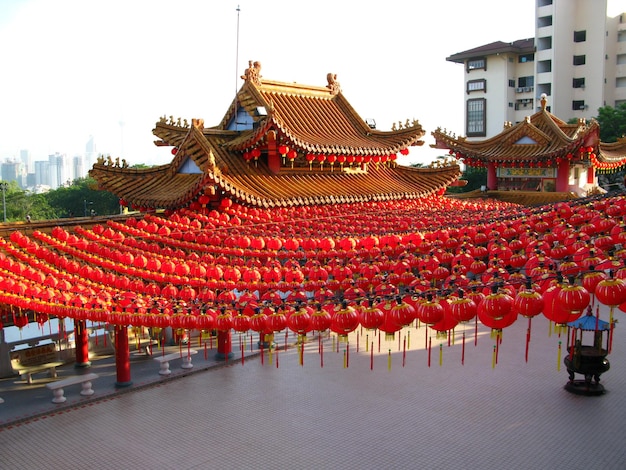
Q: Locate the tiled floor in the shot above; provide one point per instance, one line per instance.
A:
(358, 413)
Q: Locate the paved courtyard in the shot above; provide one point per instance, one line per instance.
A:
(340, 409)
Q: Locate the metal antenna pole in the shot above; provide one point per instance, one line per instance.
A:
(237, 52)
(237, 65)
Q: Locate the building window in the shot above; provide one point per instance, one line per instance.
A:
(579, 60)
(544, 3)
(621, 36)
(522, 59)
(526, 83)
(476, 117)
(578, 83)
(476, 85)
(544, 66)
(475, 64)
(544, 43)
(580, 36)
(544, 21)
(579, 105)
(620, 82)
(512, 83)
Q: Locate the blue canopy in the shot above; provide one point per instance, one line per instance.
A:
(588, 323)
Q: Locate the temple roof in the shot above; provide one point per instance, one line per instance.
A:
(613, 151)
(521, 46)
(539, 138)
(335, 156)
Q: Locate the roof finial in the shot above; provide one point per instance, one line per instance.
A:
(333, 84)
(253, 72)
(544, 101)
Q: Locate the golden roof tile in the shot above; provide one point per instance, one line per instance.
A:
(308, 119)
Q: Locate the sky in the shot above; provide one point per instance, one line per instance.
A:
(71, 69)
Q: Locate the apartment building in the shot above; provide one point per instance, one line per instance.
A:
(577, 58)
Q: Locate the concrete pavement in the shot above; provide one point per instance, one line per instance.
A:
(338, 409)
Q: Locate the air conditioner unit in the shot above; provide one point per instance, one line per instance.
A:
(583, 106)
(519, 90)
(528, 89)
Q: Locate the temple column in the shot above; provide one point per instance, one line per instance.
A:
(492, 178)
(562, 176)
(273, 157)
(122, 356)
(591, 175)
(224, 345)
(81, 341)
(5, 357)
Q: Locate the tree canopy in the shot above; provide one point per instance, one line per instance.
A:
(76, 200)
(612, 122)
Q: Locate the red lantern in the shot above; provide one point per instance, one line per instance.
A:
(528, 303)
(320, 320)
(575, 299)
(611, 292)
(462, 309)
(300, 321)
(344, 321)
(429, 311)
(496, 305)
(371, 317)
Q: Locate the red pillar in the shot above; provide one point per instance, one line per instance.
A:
(492, 179)
(122, 356)
(224, 345)
(273, 157)
(590, 175)
(81, 340)
(562, 176)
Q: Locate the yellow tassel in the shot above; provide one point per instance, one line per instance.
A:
(367, 343)
(408, 340)
(440, 354)
(558, 358)
(493, 358)
(389, 360)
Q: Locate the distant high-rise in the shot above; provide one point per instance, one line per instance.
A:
(577, 58)
(26, 160)
(90, 155)
(77, 168)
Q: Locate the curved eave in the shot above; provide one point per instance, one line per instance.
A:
(154, 188)
(612, 152)
(264, 189)
(551, 141)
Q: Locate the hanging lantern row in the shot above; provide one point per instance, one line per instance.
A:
(253, 154)
(607, 167)
(290, 154)
(480, 163)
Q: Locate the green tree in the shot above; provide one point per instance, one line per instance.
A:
(81, 198)
(475, 177)
(612, 122)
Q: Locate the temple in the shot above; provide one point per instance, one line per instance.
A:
(278, 145)
(541, 153)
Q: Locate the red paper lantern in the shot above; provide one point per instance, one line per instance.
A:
(429, 311)
(575, 299)
(611, 292)
(462, 309)
(320, 320)
(300, 321)
(344, 321)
